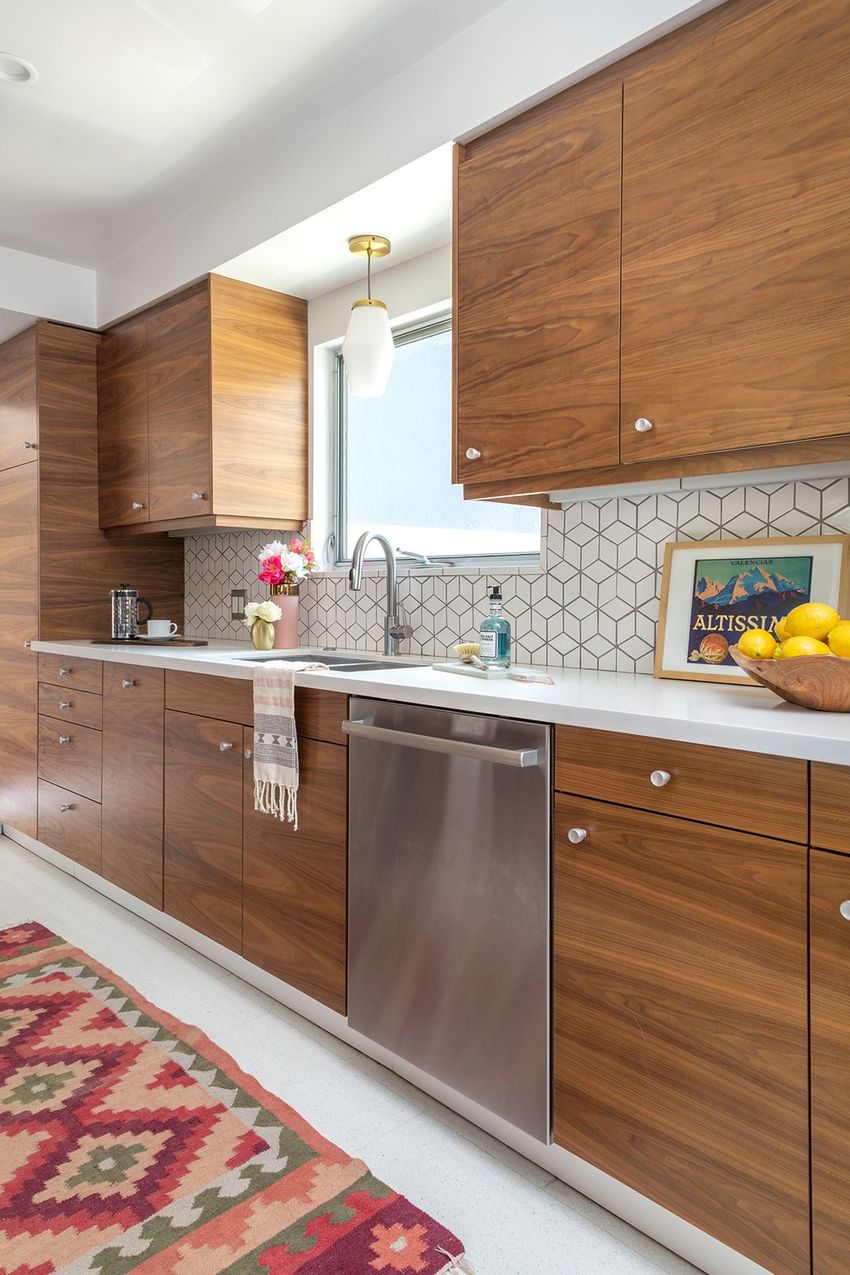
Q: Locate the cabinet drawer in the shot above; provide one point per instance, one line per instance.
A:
(70, 824)
(70, 756)
(67, 670)
(831, 807)
(67, 705)
(318, 714)
(719, 786)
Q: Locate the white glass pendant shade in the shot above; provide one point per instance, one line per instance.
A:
(368, 349)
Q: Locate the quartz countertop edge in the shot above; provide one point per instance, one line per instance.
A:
(747, 718)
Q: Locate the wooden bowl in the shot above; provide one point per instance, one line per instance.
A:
(821, 682)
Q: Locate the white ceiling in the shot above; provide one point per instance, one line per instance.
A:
(136, 98)
(412, 207)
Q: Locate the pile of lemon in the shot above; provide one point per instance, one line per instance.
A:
(811, 629)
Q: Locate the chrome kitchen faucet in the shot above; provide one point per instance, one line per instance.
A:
(395, 627)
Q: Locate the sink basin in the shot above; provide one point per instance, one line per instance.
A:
(350, 663)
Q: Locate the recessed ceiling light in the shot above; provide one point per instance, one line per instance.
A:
(15, 70)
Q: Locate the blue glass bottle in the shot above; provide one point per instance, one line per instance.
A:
(494, 634)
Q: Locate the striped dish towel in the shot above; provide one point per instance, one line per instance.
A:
(275, 740)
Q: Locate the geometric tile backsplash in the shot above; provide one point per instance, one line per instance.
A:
(592, 604)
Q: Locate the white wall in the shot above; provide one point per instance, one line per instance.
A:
(40, 288)
(520, 51)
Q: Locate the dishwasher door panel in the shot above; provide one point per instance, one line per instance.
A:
(449, 902)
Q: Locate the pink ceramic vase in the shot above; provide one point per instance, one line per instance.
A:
(286, 628)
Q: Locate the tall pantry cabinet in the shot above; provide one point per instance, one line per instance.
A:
(56, 566)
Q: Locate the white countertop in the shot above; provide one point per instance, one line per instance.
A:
(744, 717)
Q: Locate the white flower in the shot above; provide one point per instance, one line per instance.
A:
(268, 611)
(274, 550)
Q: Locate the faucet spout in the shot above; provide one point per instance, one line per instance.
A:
(394, 631)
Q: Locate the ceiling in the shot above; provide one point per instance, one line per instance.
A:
(412, 207)
(136, 100)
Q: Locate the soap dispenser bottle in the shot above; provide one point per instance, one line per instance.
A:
(494, 634)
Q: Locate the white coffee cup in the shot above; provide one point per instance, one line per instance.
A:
(161, 628)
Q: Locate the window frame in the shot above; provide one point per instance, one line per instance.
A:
(404, 334)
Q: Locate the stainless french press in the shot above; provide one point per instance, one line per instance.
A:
(125, 612)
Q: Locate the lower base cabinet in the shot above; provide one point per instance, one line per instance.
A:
(680, 1021)
(70, 824)
(830, 982)
(203, 826)
(295, 882)
(133, 725)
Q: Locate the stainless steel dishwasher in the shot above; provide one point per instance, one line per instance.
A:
(449, 899)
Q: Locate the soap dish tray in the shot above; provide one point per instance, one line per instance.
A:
(469, 670)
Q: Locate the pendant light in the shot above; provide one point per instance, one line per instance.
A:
(368, 349)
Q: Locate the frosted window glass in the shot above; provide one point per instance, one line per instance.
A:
(398, 467)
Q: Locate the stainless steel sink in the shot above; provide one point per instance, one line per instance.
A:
(350, 663)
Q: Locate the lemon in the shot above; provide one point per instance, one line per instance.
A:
(780, 629)
(812, 620)
(839, 639)
(800, 645)
(758, 644)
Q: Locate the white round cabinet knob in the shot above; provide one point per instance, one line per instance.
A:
(642, 425)
(575, 836)
(845, 909)
(660, 778)
(472, 453)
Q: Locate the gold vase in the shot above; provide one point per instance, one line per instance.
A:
(262, 635)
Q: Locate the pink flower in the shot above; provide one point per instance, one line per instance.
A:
(272, 571)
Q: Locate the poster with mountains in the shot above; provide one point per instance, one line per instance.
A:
(732, 595)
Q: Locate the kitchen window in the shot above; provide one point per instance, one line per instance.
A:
(394, 465)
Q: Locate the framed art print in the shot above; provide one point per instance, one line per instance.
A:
(714, 590)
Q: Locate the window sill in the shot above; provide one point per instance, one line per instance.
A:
(476, 569)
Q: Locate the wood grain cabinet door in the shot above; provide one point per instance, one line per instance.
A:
(122, 425)
(203, 825)
(736, 233)
(133, 745)
(830, 807)
(830, 981)
(18, 402)
(179, 420)
(295, 883)
(680, 1026)
(18, 624)
(537, 260)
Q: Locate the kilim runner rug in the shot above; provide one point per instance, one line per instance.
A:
(129, 1142)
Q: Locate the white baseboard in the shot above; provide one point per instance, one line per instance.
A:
(702, 1250)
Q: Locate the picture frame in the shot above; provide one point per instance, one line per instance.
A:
(713, 590)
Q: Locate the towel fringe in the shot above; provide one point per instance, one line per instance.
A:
(273, 799)
(457, 1265)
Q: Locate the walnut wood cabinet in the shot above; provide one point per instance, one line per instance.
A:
(830, 1015)
(830, 796)
(132, 798)
(203, 825)
(537, 291)
(727, 342)
(56, 567)
(295, 882)
(680, 1019)
(203, 412)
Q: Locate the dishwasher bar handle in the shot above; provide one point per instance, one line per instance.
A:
(521, 757)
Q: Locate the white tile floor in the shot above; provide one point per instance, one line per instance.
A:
(512, 1216)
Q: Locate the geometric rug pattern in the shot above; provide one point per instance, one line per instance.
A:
(130, 1142)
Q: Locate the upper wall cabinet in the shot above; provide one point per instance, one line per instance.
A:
(717, 340)
(203, 412)
(736, 233)
(537, 291)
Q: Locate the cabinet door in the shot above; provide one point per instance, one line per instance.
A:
(18, 624)
(295, 883)
(18, 407)
(831, 806)
(133, 724)
(122, 425)
(830, 974)
(680, 1020)
(203, 825)
(179, 421)
(537, 258)
(736, 233)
